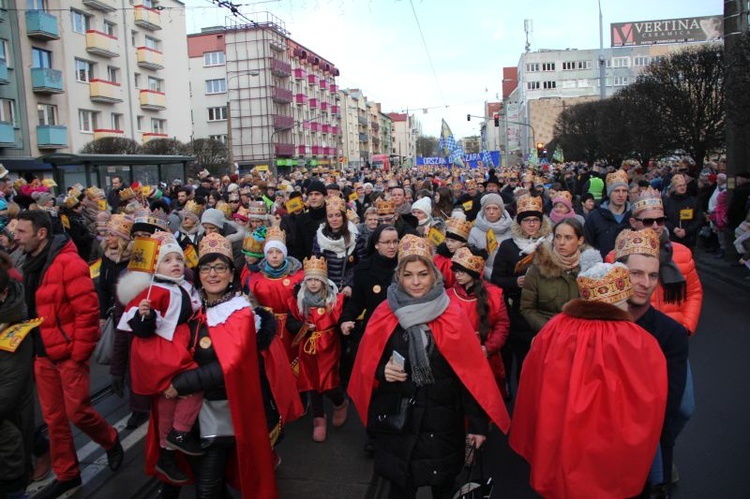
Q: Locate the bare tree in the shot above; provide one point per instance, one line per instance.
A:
(427, 146)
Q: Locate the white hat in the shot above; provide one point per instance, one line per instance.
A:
(423, 204)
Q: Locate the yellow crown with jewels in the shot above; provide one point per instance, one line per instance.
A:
(73, 198)
(617, 177)
(120, 225)
(637, 242)
(606, 283)
(335, 203)
(257, 210)
(414, 245)
(458, 226)
(214, 244)
(94, 193)
(127, 194)
(193, 208)
(649, 199)
(225, 208)
(385, 207)
(252, 245)
(276, 234)
(529, 203)
(315, 268)
(465, 258)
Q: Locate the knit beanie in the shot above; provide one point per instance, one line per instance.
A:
(493, 198)
(214, 217)
(168, 244)
(423, 204)
(317, 186)
(275, 244)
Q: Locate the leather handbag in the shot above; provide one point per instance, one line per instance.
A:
(215, 419)
(471, 486)
(390, 411)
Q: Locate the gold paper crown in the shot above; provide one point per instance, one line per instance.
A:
(252, 245)
(617, 177)
(127, 194)
(242, 213)
(612, 287)
(257, 210)
(649, 199)
(214, 244)
(335, 203)
(194, 209)
(528, 203)
(94, 193)
(73, 199)
(385, 207)
(352, 216)
(565, 195)
(637, 242)
(316, 268)
(414, 245)
(276, 234)
(120, 225)
(465, 258)
(458, 226)
(225, 208)
(156, 219)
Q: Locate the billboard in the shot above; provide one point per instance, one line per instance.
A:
(685, 29)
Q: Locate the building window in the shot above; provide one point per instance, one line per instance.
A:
(87, 120)
(109, 28)
(584, 64)
(47, 114)
(158, 126)
(116, 121)
(134, 38)
(213, 58)
(84, 71)
(41, 58)
(641, 61)
(218, 86)
(155, 84)
(532, 85)
(532, 67)
(152, 43)
(568, 65)
(139, 123)
(548, 66)
(217, 113)
(621, 81)
(113, 74)
(8, 111)
(584, 83)
(36, 5)
(4, 53)
(220, 138)
(80, 21)
(547, 85)
(137, 80)
(621, 62)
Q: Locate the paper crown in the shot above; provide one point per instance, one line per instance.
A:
(605, 282)
(144, 220)
(242, 214)
(564, 195)
(617, 177)
(214, 243)
(466, 259)
(127, 194)
(276, 234)
(120, 225)
(385, 207)
(225, 208)
(257, 210)
(252, 245)
(414, 245)
(73, 199)
(315, 268)
(335, 203)
(352, 216)
(459, 227)
(527, 203)
(194, 209)
(649, 199)
(637, 242)
(48, 183)
(94, 193)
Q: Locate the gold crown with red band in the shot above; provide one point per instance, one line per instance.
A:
(465, 258)
(459, 227)
(120, 225)
(385, 207)
(335, 203)
(414, 245)
(276, 234)
(605, 282)
(214, 244)
(528, 203)
(637, 242)
(617, 177)
(315, 268)
(649, 199)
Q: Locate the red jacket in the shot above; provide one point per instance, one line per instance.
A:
(500, 324)
(67, 300)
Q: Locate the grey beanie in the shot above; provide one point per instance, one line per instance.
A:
(214, 217)
(493, 198)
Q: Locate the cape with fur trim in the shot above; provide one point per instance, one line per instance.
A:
(456, 342)
(590, 404)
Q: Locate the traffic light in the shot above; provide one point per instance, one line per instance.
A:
(468, 117)
(496, 116)
(539, 149)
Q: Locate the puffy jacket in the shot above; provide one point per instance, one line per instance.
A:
(67, 300)
(602, 227)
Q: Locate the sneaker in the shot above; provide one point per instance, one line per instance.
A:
(58, 488)
(339, 414)
(136, 419)
(167, 466)
(185, 442)
(42, 467)
(115, 455)
(319, 429)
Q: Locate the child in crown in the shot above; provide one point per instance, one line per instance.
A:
(315, 313)
(157, 314)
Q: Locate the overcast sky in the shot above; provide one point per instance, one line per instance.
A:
(378, 47)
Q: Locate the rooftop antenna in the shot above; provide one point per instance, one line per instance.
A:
(528, 27)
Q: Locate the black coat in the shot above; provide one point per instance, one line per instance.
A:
(431, 449)
(505, 276)
(370, 283)
(306, 226)
(601, 229)
(673, 205)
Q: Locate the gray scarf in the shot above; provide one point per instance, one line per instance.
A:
(672, 280)
(413, 314)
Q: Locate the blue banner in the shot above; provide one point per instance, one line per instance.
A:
(474, 160)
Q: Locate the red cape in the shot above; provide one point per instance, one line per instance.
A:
(590, 404)
(282, 381)
(455, 340)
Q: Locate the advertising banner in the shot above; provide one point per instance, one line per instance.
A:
(682, 30)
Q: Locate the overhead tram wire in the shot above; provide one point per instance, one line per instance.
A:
(429, 57)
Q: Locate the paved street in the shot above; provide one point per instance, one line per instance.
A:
(711, 454)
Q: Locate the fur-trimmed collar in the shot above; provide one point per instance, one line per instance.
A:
(595, 310)
(549, 269)
(545, 230)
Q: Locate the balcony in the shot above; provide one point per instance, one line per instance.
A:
(281, 122)
(153, 100)
(375, 126)
(334, 88)
(281, 68)
(375, 141)
(326, 129)
(362, 120)
(51, 136)
(363, 137)
(153, 135)
(317, 150)
(284, 149)
(335, 110)
(312, 79)
(302, 150)
(281, 95)
(315, 126)
(146, 18)
(4, 73)
(329, 151)
(150, 58)
(104, 91)
(335, 130)
(300, 98)
(7, 135)
(313, 103)
(323, 84)
(101, 44)
(324, 106)
(300, 74)
(41, 26)
(3, 15)
(46, 81)
(102, 5)
(101, 133)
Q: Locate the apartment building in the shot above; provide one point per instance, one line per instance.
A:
(404, 134)
(80, 70)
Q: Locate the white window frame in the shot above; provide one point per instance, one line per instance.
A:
(113, 74)
(641, 60)
(158, 126)
(115, 121)
(218, 113)
(109, 28)
(8, 107)
(568, 65)
(221, 138)
(548, 66)
(532, 85)
(79, 21)
(215, 58)
(583, 65)
(621, 62)
(155, 84)
(84, 70)
(216, 86)
(87, 120)
(46, 114)
(532, 67)
(46, 60)
(5, 52)
(621, 81)
(152, 43)
(139, 122)
(36, 5)
(549, 85)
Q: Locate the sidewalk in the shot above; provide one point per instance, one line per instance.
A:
(722, 270)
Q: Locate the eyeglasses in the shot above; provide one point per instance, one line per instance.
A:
(531, 221)
(648, 222)
(219, 268)
(385, 220)
(389, 243)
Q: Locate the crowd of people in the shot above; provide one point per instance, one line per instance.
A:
(427, 298)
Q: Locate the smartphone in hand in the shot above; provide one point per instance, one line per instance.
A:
(398, 360)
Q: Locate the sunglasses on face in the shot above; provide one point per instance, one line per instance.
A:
(648, 222)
